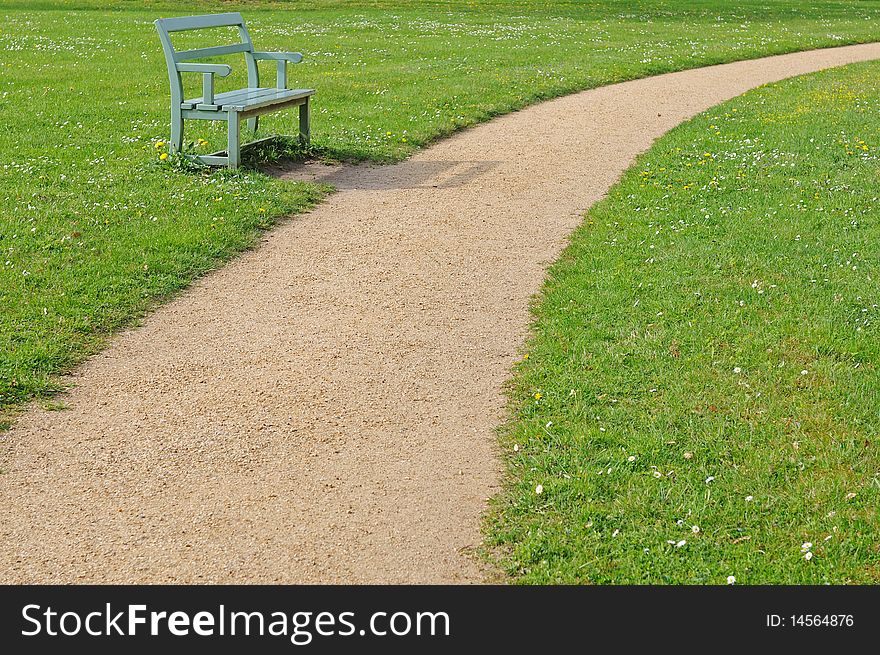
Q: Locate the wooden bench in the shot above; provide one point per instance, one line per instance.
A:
(231, 106)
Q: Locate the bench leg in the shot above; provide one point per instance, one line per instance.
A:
(233, 146)
(304, 124)
(253, 123)
(176, 143)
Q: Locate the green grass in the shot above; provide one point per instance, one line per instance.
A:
(705, 353)
(94, 232)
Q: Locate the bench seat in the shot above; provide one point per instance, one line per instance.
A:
(245, 99)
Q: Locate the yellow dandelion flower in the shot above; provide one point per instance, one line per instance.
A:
(160, 144)
(163, 156)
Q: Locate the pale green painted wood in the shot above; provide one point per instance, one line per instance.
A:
(208, 89)
(231, 106)
(198, 114)
(222, 70)
(292, 57)
(263, 98)
(216, 51)
(281, 75)
(233, 150)
(282, 58)
(246, 99)
(220, 158)
(239, 96)
(183, 23)
(284, 104)
(213, 160)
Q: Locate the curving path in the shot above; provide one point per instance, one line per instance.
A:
(322, 408)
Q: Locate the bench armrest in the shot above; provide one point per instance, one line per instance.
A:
(292, 57)
(216, 69)
(281, 58)
(208, 72)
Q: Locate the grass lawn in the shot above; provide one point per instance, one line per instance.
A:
(700, 397)
(93, 231)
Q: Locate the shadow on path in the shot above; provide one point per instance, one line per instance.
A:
(411, 174)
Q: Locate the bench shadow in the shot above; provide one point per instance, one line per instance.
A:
(410, 174)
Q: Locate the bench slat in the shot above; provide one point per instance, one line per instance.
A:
(184, 23)
(243, 99)
(256, 101)
(215, 51)
(228, 97)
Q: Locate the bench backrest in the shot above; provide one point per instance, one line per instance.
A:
(167, 26)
